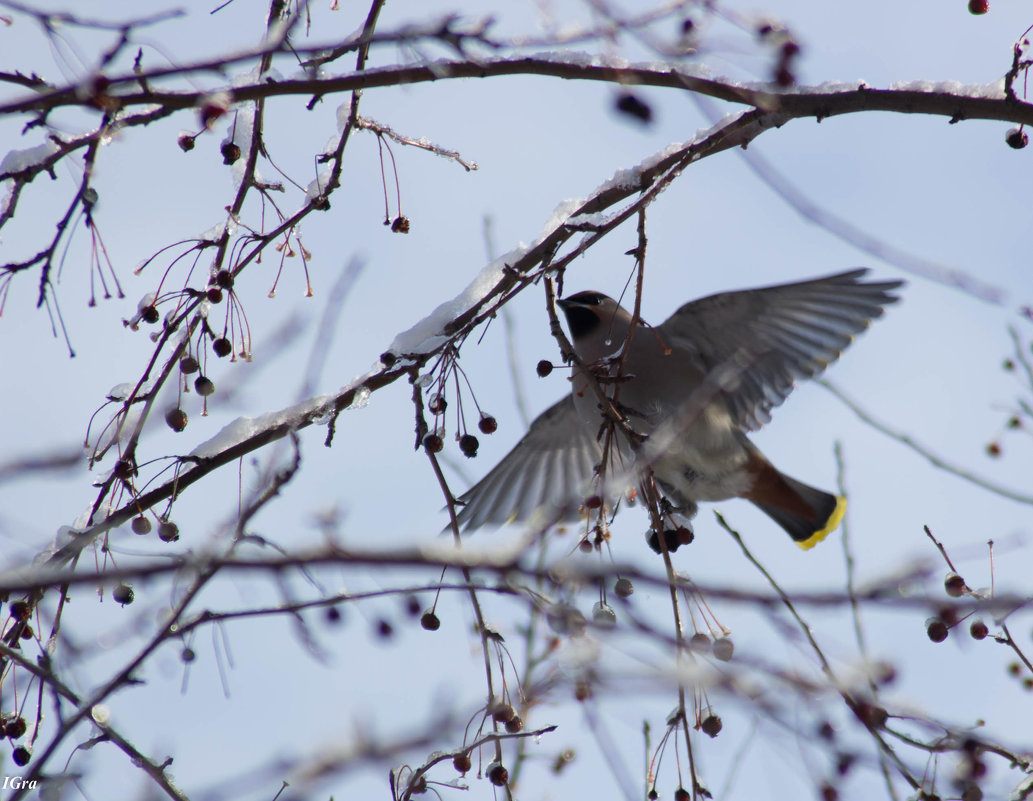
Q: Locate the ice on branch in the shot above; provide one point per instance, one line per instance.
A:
(17, 161)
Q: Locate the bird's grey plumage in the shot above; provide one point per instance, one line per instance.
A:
(691, 387)
(549, 470)
(778, 334)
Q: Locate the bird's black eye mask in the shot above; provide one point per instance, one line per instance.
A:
(582, 316)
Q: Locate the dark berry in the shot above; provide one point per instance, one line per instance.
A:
(502, 713)
(872, 715)
(150, 314)
(723, 649)
(222, 347)
(27, 633)
(954, 585)
(462, 762)
(141, 525)
(176, 418)
(544, 368)
(437, 404)
(21, 756)
(514, 724)
(685, 535)
(224, 279)
(681, 794)
(430, 621)
(433, 443)
(21, 610)
(16, 727)
(400, 225)
(332, 614)
(412, 605)
(937, 630)
(123, 594)
(188, 655)
(188, 364)
(623, 587)
(186, 143)
(1016, 138)
(603, 615)
(384, 629)
(978, 629)
(699, 642)
(488, 424)
(204, 386)
(387, 358)
(214, 294)
(633, 106)
(711, 725)
(978, 6)
(585, 546)
(468, 444)
(230, 152)
(498, 775)
(168, 531)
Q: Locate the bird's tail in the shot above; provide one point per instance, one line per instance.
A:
(807, 514)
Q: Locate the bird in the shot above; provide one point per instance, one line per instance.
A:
(686, 392)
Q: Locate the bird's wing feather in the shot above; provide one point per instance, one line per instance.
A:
(776, 335)
(550, 470)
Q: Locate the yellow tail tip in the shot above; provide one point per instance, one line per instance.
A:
(830, 525)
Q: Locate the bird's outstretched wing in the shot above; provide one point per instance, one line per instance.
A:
(775, 335)
(549, 471)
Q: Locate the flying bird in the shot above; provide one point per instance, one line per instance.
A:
(687, 392)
